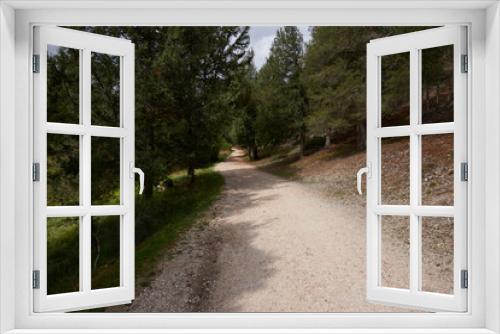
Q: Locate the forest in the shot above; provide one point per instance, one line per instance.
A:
(198, 94)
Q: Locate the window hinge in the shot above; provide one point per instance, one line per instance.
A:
(36, 172)
(464, 279)
(465, 64)
(36, 63)
(36, 279)
(464, 171)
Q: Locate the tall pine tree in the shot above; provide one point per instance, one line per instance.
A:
(283, 106)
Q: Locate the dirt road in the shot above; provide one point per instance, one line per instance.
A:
(268, 245)
(286, 249)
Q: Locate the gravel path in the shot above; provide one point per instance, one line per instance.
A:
(267, 245)
(286, 249)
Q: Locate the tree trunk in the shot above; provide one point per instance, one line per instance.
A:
(148, 187)
(302, 142)
(437, 94)
(328, 138)
(361, 136)
(254, 153)
(191, 173)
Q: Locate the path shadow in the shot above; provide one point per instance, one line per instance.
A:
(249, 270)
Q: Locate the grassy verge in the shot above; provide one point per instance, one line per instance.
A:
(159, 222)
(170, 213)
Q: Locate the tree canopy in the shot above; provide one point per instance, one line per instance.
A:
(196, 88)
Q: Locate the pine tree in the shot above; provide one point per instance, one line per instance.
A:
(335, 77)
(201, 63)
(182, 75)
(283, 106)
(243, 130)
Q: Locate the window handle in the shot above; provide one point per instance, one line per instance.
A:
(361, 171)
(134, 170)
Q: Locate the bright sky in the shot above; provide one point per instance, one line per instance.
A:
(261, 39)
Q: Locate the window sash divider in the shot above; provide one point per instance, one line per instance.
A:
(419, 210)
(80, 130)
(417, 129)
(415, 172)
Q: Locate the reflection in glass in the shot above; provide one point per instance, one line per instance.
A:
(395, 171)
(63, 255)
(437, 254)
(395, 251)
(105, 252)
(63, 85)
(105, 91)
(63, 165)
(437, 84)
(395, 81)
(105, 175)
(437, 170)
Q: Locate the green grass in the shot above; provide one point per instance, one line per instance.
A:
(159, 222)
(170, 213)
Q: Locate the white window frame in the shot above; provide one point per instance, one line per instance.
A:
(17, 18)
(413, 44)
(85, 43)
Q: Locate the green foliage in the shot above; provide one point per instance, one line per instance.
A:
(195, 90)
(159, 221)
(63, 254)
(243, 130)
(283, 104)
(335, 76)
(183, 109)
(203, 61)
(183, 102)
(314, 144)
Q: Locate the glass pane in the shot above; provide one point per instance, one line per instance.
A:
(105, 252)
(63, 84)
(63, 255)
(395, 249)
(437, 170)
(437, 84)
(437, 254)
(395, 171)
(105, 90)
(105, 171)
(63, 168)
(395, 82)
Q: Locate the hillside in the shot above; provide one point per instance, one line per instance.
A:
(332, 172)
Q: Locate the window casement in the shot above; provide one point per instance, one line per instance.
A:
(50, 39)
(88, 133)
(472, 233)
(415, 209)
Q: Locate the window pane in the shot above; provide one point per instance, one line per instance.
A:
(63, 84)
(395, 171)
(105, 171)
(437, 84)
(395, 257)
(437, 170)
(105, 252)
(437, 254)
(63, 255)
(63, 166)
(105, 89)
(395, 83)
